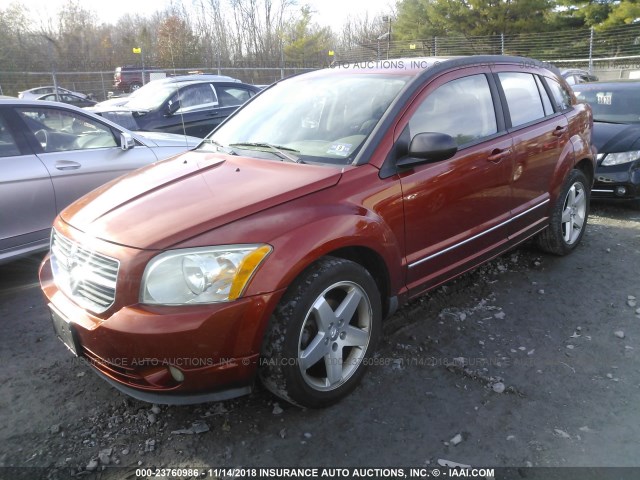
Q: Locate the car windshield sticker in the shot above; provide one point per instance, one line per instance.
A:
(604, 98)
(339, 149)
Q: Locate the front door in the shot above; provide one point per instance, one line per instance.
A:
(456, 210)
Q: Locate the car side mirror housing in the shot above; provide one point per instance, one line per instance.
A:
(127, 142)
(429, 147)
(172, 107)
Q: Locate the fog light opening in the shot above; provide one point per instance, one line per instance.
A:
(177, 375)
(621, 191)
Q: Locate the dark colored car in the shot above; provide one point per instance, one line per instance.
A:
(616, 135)
(68, 98)
(277, 248)
(575, 76)
(192, 104)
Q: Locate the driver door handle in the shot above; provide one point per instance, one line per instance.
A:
(67, 165)
(498, 154)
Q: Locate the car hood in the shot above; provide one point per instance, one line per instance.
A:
(169, 202)
(160, 139)
(615, 137)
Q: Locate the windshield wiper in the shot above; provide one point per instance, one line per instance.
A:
(276, 149)
(227, 150)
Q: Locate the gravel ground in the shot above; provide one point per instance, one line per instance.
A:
(530, 360)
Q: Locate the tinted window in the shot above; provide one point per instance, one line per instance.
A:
(612, 103)
(546, 102)
(462, 108)
(561, 97)
(523, 98)
(60, 131)
(8, 146)
(196, 97)
(231, 96)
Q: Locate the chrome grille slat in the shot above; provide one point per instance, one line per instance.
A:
(88, 277)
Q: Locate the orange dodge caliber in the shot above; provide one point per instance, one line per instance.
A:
(277, 247)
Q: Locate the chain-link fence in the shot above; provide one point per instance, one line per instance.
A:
(609, 54)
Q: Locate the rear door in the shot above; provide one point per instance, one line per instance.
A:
(79, 152)
(198, 112)
(27, 200)
(456, 210)
(540, 141)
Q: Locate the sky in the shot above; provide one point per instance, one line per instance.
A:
(331, 13)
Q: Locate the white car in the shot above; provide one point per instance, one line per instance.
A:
(34, 93)
(52, 154)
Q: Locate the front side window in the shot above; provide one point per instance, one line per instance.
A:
(61, 131)
(523, 97)
(462, 108)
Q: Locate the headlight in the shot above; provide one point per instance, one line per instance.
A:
(201, 275)
(619, 158)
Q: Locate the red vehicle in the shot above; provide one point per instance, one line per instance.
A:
(130, 78)
(276, 249)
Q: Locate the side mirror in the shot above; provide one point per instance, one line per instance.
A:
(172, 107)
(429, 147)
(127, 142)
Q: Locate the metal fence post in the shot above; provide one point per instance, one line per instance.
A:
(281, 61)
(591, 51)
(502, 44)
(435, 46)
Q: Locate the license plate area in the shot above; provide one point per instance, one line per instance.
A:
(65, 331)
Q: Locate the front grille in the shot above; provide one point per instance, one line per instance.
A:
(89, 278)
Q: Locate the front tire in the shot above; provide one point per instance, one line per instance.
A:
(322, 335)
(569, 216)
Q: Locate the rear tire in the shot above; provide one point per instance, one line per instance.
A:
(569, 216)
(322, 335)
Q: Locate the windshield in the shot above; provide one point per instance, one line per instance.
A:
(150, 97)
(611, 103)
(310, 118)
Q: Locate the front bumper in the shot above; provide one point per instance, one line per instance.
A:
(617, 181)
(171, 355)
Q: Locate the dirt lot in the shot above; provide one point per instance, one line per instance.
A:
(531, 360)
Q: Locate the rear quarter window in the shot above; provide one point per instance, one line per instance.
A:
(560, 97)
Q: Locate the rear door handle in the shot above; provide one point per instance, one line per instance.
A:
(559, 131)
(67, 165)
(498, 154)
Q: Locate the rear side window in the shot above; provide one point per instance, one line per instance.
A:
(8, 147)
(462, 108)
(232, 96)
(561, 97)
(523, 97)
(196, 97)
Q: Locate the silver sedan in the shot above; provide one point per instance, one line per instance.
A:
(52, 154)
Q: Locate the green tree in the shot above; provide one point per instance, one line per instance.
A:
(178, 47)
(426, 18)
(305, 41)
(624, 13)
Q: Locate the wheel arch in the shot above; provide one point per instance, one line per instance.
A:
(371, 261)
(586, 166)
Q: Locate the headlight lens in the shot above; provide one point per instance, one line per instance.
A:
(620, 158)
(201, 275)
